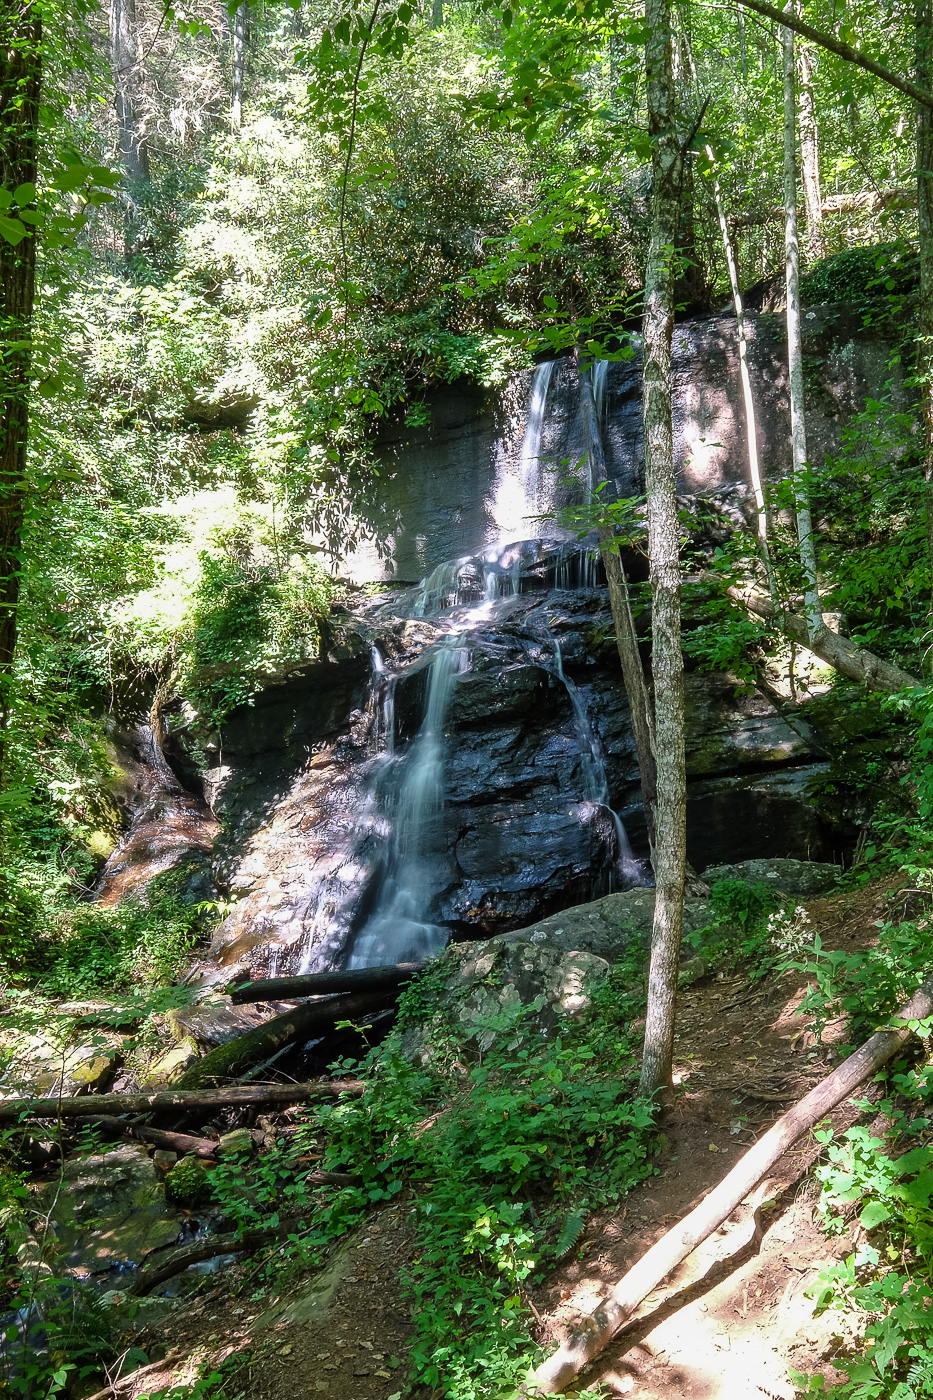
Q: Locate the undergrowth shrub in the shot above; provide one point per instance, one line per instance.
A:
(89, 948)
(740, 932)
(501, 1161)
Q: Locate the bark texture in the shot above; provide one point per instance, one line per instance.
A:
(310, 1018)
(20, 89)
(239, 36)
(598, 1329)
(810, 154)
(183, 1143)
(663, 554)
(798, 423)
(131, 133)
(177, 1100)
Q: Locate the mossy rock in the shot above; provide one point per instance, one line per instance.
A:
(187, 1183)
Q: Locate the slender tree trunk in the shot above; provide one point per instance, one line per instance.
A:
(239, 36)
(20, 88)
(663, 554)
(437, 14)
(633, 673)
(923, 40)
(743, 54)
(810, 154)
(798, 426)
(134, 147)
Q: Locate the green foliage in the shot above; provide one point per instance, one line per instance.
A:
(71, 950)
(858, 272)
(741, 932)
(866, 986)
(247, 618)
(885, 1282)
(503, 1160)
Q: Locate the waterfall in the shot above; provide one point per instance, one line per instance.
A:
(595, 780)
(516, 499)
(398, 928)
(383, 690)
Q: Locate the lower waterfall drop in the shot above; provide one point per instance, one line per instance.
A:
(398, 928)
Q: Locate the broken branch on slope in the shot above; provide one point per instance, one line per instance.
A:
(844, 656)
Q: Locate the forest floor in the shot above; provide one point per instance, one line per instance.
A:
(731, 1321)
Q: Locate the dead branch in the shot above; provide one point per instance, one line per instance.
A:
(301, 1023)
(124, 1382)
(844, 656)
(230, 1243)
(182, 1143)
(236, 1096)
(599, 1327)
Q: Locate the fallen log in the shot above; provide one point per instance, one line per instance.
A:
(598, 1328)
(229, 1243)
(183, 1143)
(236, 1096)
(315, 984)
(131, 1377)
(844, 656)
(302, 1022)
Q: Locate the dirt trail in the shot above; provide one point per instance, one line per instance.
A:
(729, 1323)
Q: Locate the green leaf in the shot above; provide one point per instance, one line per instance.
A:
(875, 1213)
(12, 230)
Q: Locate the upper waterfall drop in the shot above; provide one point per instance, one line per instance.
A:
(516, 498)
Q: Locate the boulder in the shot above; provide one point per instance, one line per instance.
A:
(613, 926)
(109, 1210)
(505, 987)
(800, 877)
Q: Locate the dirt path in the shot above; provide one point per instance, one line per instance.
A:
(730, 1322)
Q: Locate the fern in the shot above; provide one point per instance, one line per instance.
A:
(570, 1232)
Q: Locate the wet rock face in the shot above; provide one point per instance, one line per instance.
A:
(437, 481)
(303, 784)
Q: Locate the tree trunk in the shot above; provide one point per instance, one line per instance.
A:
(158, 1271)
(599, 1327)
(917, 93)
(633, 673)
(664, 556)
(133, 144)
(798, 425)
(179, 1100)
(751, 427)
(849, 660)
(315, 984)
(238, 36)
(183, 1143)
(20, 87)
(809, 154)
(923, 43)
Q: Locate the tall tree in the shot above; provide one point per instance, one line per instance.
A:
(20, 90)
(923, 72)
(810, 153)
(131, 133)
(239, 39)
(798, 425)
(663, 552)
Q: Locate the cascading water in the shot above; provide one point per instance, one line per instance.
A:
(595, 781)
(398, 928)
